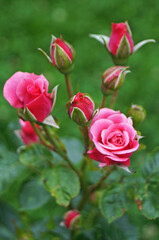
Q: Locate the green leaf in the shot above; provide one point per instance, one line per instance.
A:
(151, 165)
(62, 183)
(10, 169)
(74, 148)
(34, 155)
(113, 202)
(33, 195)
(149, 201)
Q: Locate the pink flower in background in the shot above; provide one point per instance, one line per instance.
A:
(119, 32)
(70, 217)
(114, 138)
(27, 90)
(27, 132)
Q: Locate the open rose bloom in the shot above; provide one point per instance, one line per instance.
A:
(29, 91)
(114, 138)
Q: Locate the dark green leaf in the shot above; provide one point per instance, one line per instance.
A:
(150, 202)
(34, 155)
(33, 195)
(10, 169)
(62, 183)
(151, 165)
(113, 203)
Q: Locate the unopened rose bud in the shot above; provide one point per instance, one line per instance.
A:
(71, 219)
(137, 113)
(80, 108)
(112, 79)
(120, 43)
(62, 55)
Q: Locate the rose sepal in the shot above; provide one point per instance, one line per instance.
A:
(102, 39)
(53, 96)
(45, 54)
(142, 43)
(79, 117)
(50, 121)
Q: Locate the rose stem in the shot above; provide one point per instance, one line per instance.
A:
(113, 100)
(43, 140)
(92, 189)
(104, 100)
(100, 181)
(68, 85)
(59, 149)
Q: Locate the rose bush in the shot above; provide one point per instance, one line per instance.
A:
(27, 90)
(114, 138)
(27, 132)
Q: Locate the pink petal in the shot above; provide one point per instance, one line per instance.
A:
(103, 114)
(97, 127)
(9, 90)
(40, 107)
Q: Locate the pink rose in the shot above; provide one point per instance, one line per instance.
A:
(119, 32)
(114, 138)
(27, 132)
(27, 90)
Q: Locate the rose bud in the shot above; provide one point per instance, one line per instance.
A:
(30, 93)
(120, 43)
(62, 55)
(27, 133)
(71, 219)
(80, 108)
(114, 138)
(137, 113)
(112, 79)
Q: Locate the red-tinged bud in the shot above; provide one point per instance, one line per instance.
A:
(120, 43)
(71, 219)
(62, 55)
(80, 108)
(112, 79)
(137, 113)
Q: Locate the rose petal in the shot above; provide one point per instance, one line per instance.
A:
(40, 107)
(9, 90)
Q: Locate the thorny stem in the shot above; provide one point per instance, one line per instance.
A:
(68, 85)
(104, 99)
(113, 100)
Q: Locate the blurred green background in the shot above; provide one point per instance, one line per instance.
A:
(27, 25)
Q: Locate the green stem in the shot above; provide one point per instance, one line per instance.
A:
(113, 100)
(60, 149)
(98, 184)
(84, 131)
(42, 139)
(104, 99)
(68, 85)
(92, 188)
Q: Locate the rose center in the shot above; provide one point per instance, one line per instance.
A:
(116, 139)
